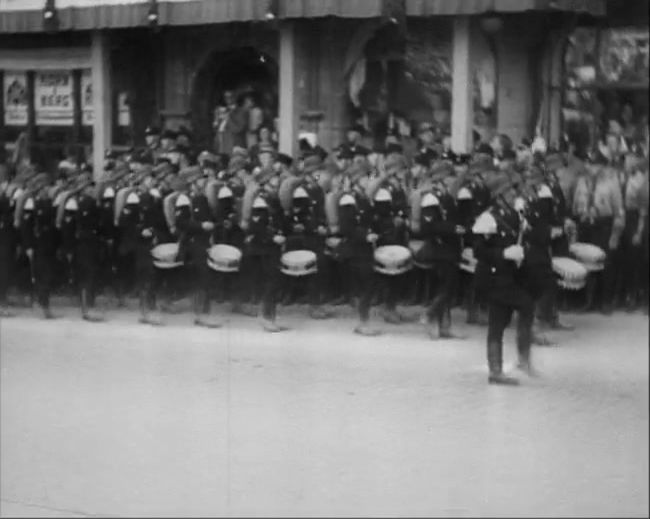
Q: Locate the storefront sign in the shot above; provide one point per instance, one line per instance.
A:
(53, 100)
(87, 114)
(15, 98)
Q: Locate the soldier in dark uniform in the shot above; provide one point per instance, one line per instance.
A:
(389, 208)
(497, 247)
(355, 226)
(194, 221)
(305, 230)
(536, 206)
(38, 233)
(8, 238)
(262, 221)
(87, 249)
(441, 228)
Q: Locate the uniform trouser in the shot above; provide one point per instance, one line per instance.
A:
(126, 271)
(201, 277)
(393, 286)
(108, 267)
(365, 283)
(265, 273)
(148, 280)
(598, 233)
(447, 277)
(542, 288)
(632, 262)
(87, 257)
(502, 302)
(6, 265)
(43, 265)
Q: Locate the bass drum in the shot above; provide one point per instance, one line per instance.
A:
(572, 275)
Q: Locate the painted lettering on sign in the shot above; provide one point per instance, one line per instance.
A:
(53, 100)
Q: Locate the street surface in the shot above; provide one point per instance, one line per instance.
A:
(120, 419)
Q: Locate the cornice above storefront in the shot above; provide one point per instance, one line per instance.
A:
(27, 15)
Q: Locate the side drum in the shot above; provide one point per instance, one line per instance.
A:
(393, 260)
(572, 275)
(224, 258)
(164, 256)
(299, 263)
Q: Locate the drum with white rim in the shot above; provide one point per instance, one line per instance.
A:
(164, 256)
(298, 263)
(572, 274)
(224, 258)
(393, 260)
(467, 260)
(591, 256)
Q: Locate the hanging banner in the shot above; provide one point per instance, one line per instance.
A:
(87, 114)
(15, 98)
(53, 100)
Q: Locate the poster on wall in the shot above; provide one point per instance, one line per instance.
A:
(15, 98)
(53, 100)
(87, 114)
(123, 109)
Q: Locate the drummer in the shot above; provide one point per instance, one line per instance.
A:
(442, 229)
(389, 212)
(357, 244)
(262, 221)
(195, 225)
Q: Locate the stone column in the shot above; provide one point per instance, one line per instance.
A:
(102, 97)
(462, 109)
(288, 120)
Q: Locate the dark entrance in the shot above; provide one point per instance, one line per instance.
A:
(244, 70)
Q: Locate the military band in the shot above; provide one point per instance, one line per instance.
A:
(500, 230)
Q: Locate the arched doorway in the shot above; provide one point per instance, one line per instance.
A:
(244, 70)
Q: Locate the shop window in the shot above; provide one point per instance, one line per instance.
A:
(403, 79)
(605, 86)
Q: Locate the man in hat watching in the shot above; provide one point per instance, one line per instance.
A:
(499, 252)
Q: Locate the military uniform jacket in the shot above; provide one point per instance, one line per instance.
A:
(355, 223)
(537, 237)
(43, 229)
(438, 228)
(264, 225)
(189, 219)
(495, 230)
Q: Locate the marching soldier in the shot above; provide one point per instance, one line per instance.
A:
(194, 221)
(305, 230)
(354, 223)
(389, 213)
(498, 249)
(439, 224)
(35, 216)
(262, 221)
(8, 238)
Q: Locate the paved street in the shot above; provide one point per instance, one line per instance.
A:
(118, 419)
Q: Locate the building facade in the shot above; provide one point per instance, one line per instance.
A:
(87, 75)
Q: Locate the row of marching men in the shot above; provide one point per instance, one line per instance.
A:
(376, 228)
(273, 227)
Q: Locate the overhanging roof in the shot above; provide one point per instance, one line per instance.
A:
(27, 15)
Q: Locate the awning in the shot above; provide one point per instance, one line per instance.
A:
(476, 7)
(27, 15)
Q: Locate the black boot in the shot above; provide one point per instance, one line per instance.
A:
(495, 363)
